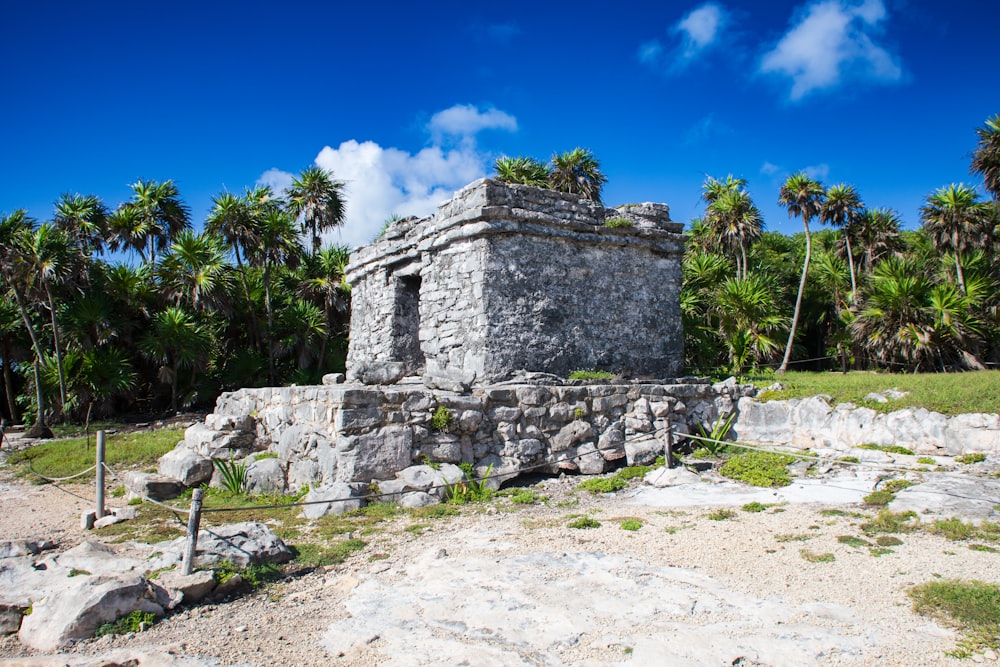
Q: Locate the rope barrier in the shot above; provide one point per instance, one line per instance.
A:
(61, 479)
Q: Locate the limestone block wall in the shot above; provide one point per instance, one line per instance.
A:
(356, 433)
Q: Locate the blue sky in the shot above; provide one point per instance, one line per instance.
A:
(409, 102)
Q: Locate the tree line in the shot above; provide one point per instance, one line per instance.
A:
(254, 299)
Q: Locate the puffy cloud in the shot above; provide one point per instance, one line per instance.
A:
(817, 172)
(700, 28)
(465, 120)
(769, 168)
(830, 44)
(697, 31)
(383, 181)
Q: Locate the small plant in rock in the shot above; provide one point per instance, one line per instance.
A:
(891, 522)
(469, 489)
(716, 438)
(632, 472)
(888, 541)
(603, 485)
(879, 498)
(119, 491)
(137, 621)
(767, 469)
(849, 459)
(852, 541)
(954, 529)
(970, 606)
(720, 515)
(896, 485)
(584, 522)
(631, 524)
(754, 507)
(233, 474)
(618, 222)
(926, 460)
(814, 557)
(579, 413)
(590, 374)
(443, 419)
(888, 449)
(969, 459)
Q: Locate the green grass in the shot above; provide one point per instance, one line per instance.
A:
(137, 621)
(896, 485)
(331, 553)
(61, 458)
(852, 541)
(584, 522)
(891, 522)
(971, 606)
(584, 374)
(767, 469)
(755, 507)
(926, 460)
(814, 557)
(947, 393)
(888, 449)
(720, 515)
(879, 498)
(968, 459)
(603, 484)
(631, 524)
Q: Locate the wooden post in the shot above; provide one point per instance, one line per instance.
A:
(99, 475)
(194, 521)
(669, 446)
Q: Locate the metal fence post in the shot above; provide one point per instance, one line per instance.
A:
(194, 521)
(99, 475)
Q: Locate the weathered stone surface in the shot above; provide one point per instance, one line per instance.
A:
(16, 548)
(215, 443)
(333, 378)
(265, 476)
(116, 515)
(425, 478)
(186, 466)
(137, 657)
(417, 499)
(642, 450)
(191, 588)
(375, 455)
(242, 544)
(663, 477)
(335, 498)
(385, 372)
(82, 606)
(151, 485)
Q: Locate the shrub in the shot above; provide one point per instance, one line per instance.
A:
(970, 458)
(716, 438)
(765, 469)
(618, 222)
(234, 475)
(754, 507)
(631, 524)
(469, 489)
(926, 460)
(584, 522)
(442, 420)
(879, 498)
(137, 621)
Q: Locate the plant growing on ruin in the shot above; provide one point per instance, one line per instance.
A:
(968, 459)
(443, 419)
(469, 489)
(233, 474)
(766, 469)
(618, 222)
(137, 621)
(520, 169)
(716, 438)
(591, 374)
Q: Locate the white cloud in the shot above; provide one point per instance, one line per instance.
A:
(769, 168)
(700, 28)
(382, 181)
(817, 172)
(465, 120)
(650, 52)
(830, 44)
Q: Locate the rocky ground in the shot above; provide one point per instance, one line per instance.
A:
(510, 584)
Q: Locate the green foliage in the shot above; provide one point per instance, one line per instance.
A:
(469, 489)
(970, 458)
(73, 572)
(137, 621)
(754, 507)
(896, 485)
(926, 460)
(591, 374)
(584, 522)
(852, 541)
(888, 449)
(879, 498)
(720, 515)
(60, 458)
(254, 576)
(603, 484)
(891, 522)
(233, 474)
(260, 456)
(328, 553)
(524, 497)
(814, 557)
(443, 419)
(954, 529)
(633, 472)
(716, 438)
(618, 222)
(971, 606)
(579, 413)
(631, 524)
(888, 541)
(849, 459)
(767, 469)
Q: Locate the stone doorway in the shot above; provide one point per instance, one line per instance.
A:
(406, 324)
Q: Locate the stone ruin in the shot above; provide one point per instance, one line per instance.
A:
(507, 278)
(464, 327)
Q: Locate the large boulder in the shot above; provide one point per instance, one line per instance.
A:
(379, 454)
(186, 466)
(242, 544)
(335, 498)
(265, 476)
(153, 486)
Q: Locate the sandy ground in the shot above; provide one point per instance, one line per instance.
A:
(746, 578)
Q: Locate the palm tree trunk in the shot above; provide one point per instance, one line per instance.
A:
(254, 328)
(798, 301)
(57, 348)
(850, 263)
(39, 398)
(743, 252)
(8, 383)
(270, 324)
(959, 274)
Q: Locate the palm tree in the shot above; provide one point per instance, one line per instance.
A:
(878, 234)
(84, 219)
(525, 170)
(150, 221)
(732, 217)
(957, 221)
(748, 316)
(12, 352)
(16, 230)
(317, 199)
(176, 341)
(986, 157)
(279, 246)
(842, 208)
(324, 282)
(804, 198)
(577, 172)
(194, 272)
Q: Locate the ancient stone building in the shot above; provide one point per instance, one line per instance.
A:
(505, 278)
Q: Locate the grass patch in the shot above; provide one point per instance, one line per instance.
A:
(891, 522)
(633, 472)
(767, 469)
(137, 621)
(591, 374)
(793, 537)
(631, 524)
(720, 515)
(603, 484)
(953, 529)
(522, 496)
(814, 557)
(970, 606)
(852, 541)
(888, 449)
(333, 553)
(584, 522)
(926, 460)
(849, 459)
(947, 393)
(61, 458)
(983, 547)
(969, 459)
(879, 498)
(618, 222)
(755, 507)
(434, 512)
(888, 541)
(896, 485)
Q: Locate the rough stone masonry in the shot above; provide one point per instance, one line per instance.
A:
(505, 278)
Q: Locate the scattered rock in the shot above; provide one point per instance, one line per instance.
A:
(663, 477)
(186, 466)
(242, 544)
(335, 498)
(151, 485)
